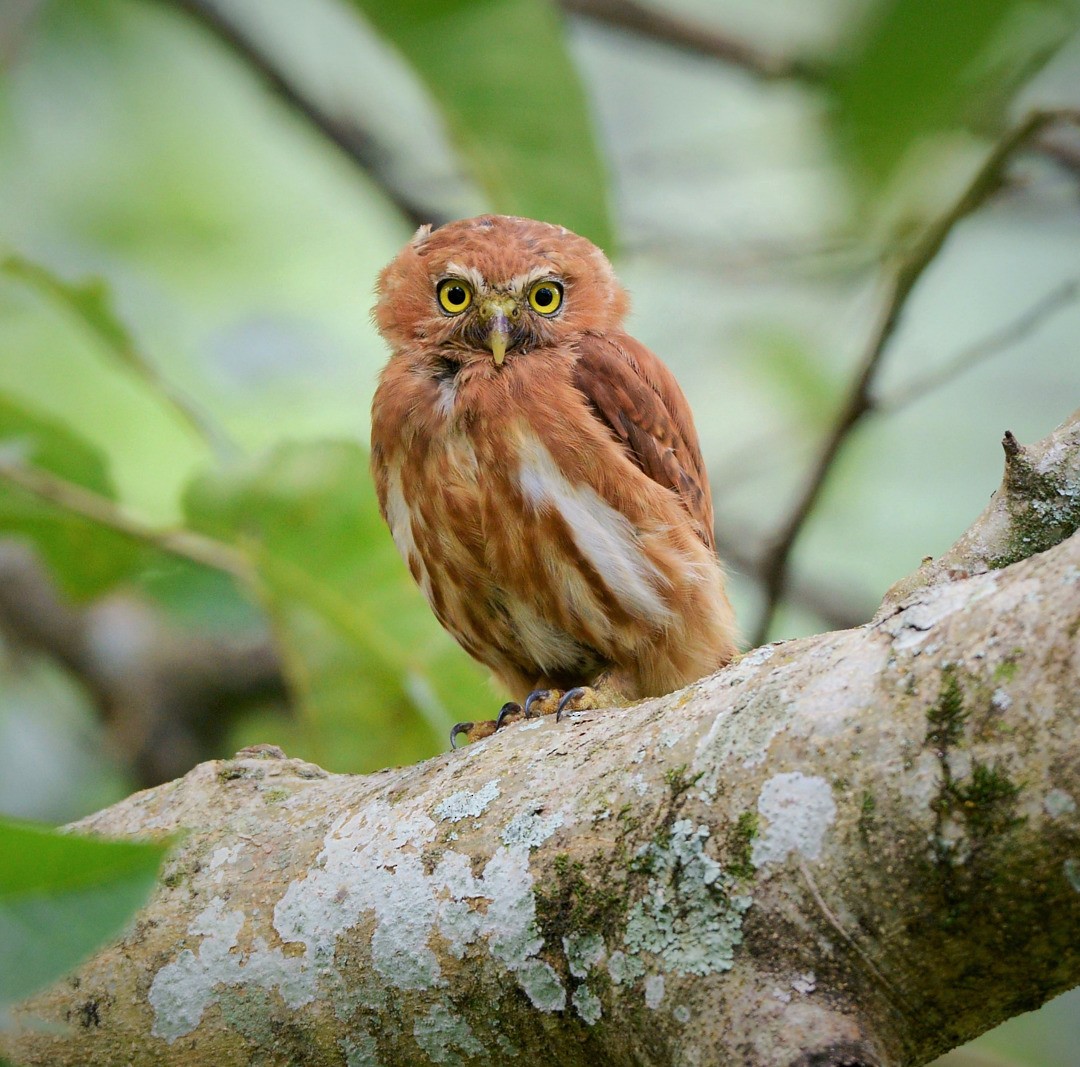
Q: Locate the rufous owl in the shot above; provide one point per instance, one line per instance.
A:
(540, 472)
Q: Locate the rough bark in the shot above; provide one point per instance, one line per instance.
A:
(857, 848)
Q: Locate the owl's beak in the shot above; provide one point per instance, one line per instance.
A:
(497, 338)
(496, 311)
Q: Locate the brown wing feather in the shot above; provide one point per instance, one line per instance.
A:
(633, 393)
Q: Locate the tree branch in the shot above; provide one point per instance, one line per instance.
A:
(660, 25)
(1000, 340)
(904, 276)
(166, 696)
(857, 848)
(1036, 506)
(343, 131)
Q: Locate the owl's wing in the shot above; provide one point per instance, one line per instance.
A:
(634, 394)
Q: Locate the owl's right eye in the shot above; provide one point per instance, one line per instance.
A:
(454, 295)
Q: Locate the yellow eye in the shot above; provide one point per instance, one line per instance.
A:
(546, 297)
(454, 295)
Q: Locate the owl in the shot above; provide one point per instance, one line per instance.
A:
(540, 472)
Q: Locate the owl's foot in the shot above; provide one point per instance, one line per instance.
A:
(477, 731)
(538, 702)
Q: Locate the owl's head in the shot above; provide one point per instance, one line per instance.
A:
(496, 286)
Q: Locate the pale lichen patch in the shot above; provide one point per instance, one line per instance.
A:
(583, 953)
(360, 1051)
(587, 1004)
(690, 916)
(466, 805)
(542, 985)
(624, 968)
(654, 991)
(443, 1036)
(530, 829)
(1057, 803)
(797, 810)
(183, 989)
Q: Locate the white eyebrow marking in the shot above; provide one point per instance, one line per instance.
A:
(521, 282)
(469, 274)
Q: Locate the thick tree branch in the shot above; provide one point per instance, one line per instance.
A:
(858, 848)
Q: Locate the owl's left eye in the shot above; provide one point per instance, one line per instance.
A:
(546, 297)
(454, 295)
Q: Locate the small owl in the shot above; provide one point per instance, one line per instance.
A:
(540, 472)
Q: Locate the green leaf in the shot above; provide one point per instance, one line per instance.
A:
(502, 75)
(56, 359)
(923, 68)
(90, 301)
(378, 679)
(85, 558)
(61, 896)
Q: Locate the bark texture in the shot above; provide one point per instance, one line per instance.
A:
(860, 848)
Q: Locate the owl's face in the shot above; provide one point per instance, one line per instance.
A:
(495, 288)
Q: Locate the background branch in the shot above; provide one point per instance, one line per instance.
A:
(904, 275)
(168, 697)
(660, 25)
(344, 131)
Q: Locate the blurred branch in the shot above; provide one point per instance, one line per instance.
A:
(660, 25)
(1012, 333)
(166, 696)
(345, 132)
(904, 275)
(74, 498)
(1063, 149)
(835, 608)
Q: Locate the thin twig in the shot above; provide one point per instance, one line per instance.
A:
(905, 274)
(343, 131)
(660, 25)
(1012, 333)
(90, 505)
(838, 926)
(837, 609)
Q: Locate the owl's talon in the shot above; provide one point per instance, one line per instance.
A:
(509, 713)
(474, 731)
(543, 700)
(572, 696)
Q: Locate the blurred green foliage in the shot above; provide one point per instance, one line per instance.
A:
(920, 70)
(501, 73)
(61, 897)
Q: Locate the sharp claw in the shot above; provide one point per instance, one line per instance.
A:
(568, 696)
(511, 707)
(532, 698)
(459, 728)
